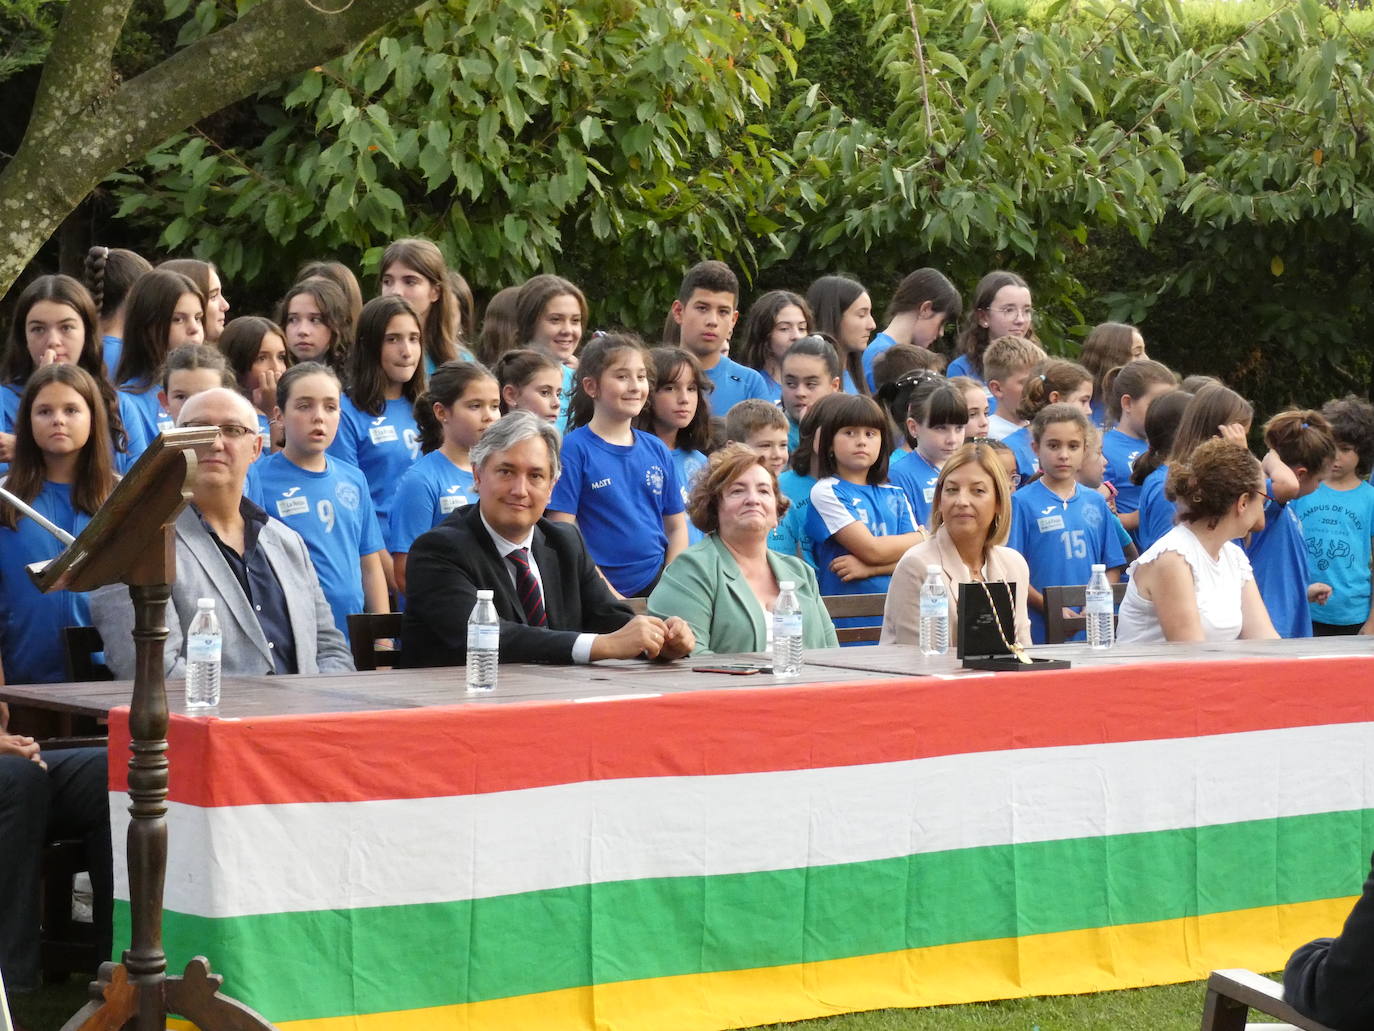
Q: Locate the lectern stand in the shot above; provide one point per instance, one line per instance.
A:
(131, 540)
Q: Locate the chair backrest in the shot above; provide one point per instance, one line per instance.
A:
(365, 630)
(1059, 627)
(856, 606)
(1231, 994)
(80, 646)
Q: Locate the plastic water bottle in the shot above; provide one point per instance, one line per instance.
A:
(787, 631)
(934, 613)
(1098, 610)
(484, 642)
(203, 647)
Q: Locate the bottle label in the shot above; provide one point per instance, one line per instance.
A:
(203, 648)
(933, 607)
(788, 625)
(1099, 604)
(484, 638)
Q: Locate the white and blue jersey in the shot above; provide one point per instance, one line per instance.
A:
(917, 478)
(790, 536)
(31, 622)
(620, 495)
(1280, 565)
(1120, 450)
(1060, 540)
(382, 446)
(1156, 510)
(835, 504)
(688, 463)
(143, 417)
(333, 513)
(430, 490)
(734, 383)
(1337, 526)
(1027, 464)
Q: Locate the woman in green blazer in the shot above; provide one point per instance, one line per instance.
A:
(725, 585)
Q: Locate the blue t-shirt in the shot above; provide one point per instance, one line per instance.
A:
(1060, 540)
(1097, 413)
(1121, 450)
(144, 418)
(1337, 526)
(1156, 510)
(431, 489)
(10, 396)
(734, 383)
(1027, 465)
(333, 513)
(773, 387)
(917, 479)
(112, 347)
(688, 464)
(880, 343)
(620, 495)
(382, 446)
(791, 537)
(1280, 566)
(837, 503)
(265, 432)
(565, 393)
(31, 622)
(960, 367)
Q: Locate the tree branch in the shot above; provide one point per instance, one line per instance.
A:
(77, 70)
(921, 58)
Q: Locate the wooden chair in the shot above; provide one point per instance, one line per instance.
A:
(1059, 627)
(1231, 994)
(365, 629)
(80, 646)
(856, 606)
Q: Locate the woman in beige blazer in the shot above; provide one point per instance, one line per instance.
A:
(970, 517)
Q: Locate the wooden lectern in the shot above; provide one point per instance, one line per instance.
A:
(131, 540)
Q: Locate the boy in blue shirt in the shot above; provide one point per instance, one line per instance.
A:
(920, 306)
(325, 499)
(1060, 527)
(705, 313)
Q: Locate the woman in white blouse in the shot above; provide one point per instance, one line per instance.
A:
(1195, 583)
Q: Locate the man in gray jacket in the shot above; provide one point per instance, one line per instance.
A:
(273, 616)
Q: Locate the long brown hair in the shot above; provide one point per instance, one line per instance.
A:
(365, 382)
(439, 330)
(94, 478)
(148, 325)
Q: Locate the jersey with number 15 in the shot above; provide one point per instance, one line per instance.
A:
(333, 513)
(383, 446)
(1060, 540)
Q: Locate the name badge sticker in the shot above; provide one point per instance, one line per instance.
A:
(451, 503)
(382, 434)
(292, 506)
(1049, 523)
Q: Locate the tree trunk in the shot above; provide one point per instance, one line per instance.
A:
(84, 126)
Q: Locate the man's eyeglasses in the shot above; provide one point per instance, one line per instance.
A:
(228, 430)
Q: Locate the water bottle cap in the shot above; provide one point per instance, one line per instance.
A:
(205, 603)
(484, 595)
(1098, 567)
(787, 585)
(933, 569)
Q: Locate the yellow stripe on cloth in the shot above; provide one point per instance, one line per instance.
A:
(1064, 963)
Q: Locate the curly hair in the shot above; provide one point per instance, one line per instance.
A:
(1214, 477)
(725, 467)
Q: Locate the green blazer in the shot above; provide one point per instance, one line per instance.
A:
(705, 587)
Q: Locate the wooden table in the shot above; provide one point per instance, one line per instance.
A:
(704, 851)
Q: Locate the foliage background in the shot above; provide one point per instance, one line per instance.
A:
(1196, 168)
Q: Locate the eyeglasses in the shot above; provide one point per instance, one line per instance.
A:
(1010, 311)
(227, 430)
(1264, 493)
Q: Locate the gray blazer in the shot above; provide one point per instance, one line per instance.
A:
(202, 572)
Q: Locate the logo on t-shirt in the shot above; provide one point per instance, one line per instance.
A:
(348, 496)
(654, 478)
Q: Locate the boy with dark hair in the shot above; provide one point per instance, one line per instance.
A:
(705, 313)
(924, 300)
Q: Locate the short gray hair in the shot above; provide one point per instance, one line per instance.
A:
(514, 428)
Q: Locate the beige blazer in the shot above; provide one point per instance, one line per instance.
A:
(902, 613)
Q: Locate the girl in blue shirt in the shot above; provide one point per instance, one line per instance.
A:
(619, 484)
(1060, 527)
(1052, 381)
(861, 525)
(1001, 307)
(109, 274)
(841, 308)
(166, 310)
(773, 323)
(936, 420)
(452, 414)
(550, 315)
(530, 381)
(377, 430)
(256, 350)
(54, 322)
(415, 270)
(316, 319)
(679, 415)
(322, 498)
(1131, 389)
(1109, 346)
(62, 467)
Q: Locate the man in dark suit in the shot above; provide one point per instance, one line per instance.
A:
(553, 603)
(1332, 979)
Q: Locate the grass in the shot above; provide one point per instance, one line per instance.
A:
(1175, 1007)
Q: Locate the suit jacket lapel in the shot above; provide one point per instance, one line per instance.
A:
(497, 576)
(215, 570)
(745, 601)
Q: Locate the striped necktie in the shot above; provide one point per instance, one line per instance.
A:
(527, 588)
